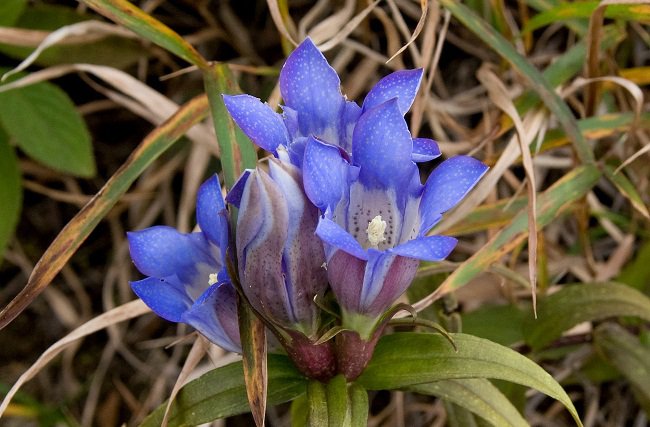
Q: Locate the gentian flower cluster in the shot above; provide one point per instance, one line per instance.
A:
(339, 207)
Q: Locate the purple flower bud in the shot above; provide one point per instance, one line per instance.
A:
(280, 259)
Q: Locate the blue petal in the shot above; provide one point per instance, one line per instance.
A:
(324, 174)
(312, 88)
(429, 248)
(235, 194)
(382, 147)
(402, 85)
(211, 213)
(447, 185)
(264, 126)
(166, 297)
(162, 251)
(332, 233)
(349, 116)
(424, 149)
(214, 314)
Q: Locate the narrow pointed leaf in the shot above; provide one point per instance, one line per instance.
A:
(476, 395)
(317, 401)
(237, 152)
(575, 304)
(78, 229)
(338, 402)
(628, 190)
(126, 14)
(407, 359)
(221, 393)
(253, 342)
(359, 405)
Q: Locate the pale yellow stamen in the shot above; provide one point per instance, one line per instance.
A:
(376, 230)
(212, 279)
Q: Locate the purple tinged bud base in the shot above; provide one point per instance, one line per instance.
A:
(353, 353)
(314, 361)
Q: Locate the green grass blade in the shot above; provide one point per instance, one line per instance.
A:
(78, 229)
(534, 78)
(237, 152)
(575, 304)
(11, 191)
(126, 14)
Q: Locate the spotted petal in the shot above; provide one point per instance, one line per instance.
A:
(162, 251)
(211, 213)
(166, 297)
(428, 248)
(333, 234)
(214, 314)
(382, 147)
(424, 150)
(324, 173)
(258, 121)
(312, 88)
(447, 185)
(402, 85)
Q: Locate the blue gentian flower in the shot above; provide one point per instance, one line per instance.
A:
(315, 107)
(187, 280)
(377, 213)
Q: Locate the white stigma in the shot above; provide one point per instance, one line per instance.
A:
(212, 279)
(376, 230)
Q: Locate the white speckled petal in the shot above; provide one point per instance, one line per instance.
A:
(258, 121)
(402, 85)
(447, 185)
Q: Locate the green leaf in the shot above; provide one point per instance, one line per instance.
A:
(498, 323)
(533, 77)
(10, 191)
(318, 407)
(339, 412)
(584, 9)
(628, 355)
(77, 230)
(45, 124)
(10, 10)
(575, 304)
(138, 21)
(406, 359)
(237, 151)
(337, 404)
(221, 393)
(477, 395)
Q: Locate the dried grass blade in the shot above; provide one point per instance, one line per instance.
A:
(78, 229)
(498, 94)
(278, 20)
(348, 28)
(118, 314)
(85, 29)
(199, 348)
(424, 6)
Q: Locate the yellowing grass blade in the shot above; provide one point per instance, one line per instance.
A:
(78, 229)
